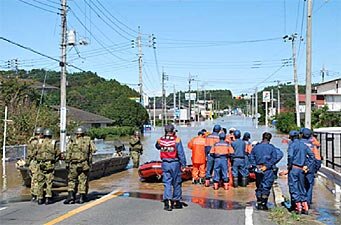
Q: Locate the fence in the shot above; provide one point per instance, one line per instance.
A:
(331, 149)
(15, 152)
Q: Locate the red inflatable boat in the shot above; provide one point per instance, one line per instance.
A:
(153, 171)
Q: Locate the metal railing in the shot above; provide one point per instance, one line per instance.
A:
(15, 152)
(330, 149)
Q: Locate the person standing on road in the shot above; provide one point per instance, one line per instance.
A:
(173, 162)
(197, 145)
(238, 165)
(298, 163)
(230, 137)
(210, 141)
(32, 146)
(314, 165)
(47, 155)
(263, 158)
(80, 150)
(220, 152)
(136, 148)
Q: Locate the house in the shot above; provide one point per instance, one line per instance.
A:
(331, 92)
(86, 119)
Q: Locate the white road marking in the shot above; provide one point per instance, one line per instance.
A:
(248, 215)
(3, 208)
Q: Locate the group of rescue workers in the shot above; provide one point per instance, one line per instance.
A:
(228, 156)
(44, 155)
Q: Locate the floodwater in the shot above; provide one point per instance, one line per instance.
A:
(128, 181)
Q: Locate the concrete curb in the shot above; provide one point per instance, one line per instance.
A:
(277, 194)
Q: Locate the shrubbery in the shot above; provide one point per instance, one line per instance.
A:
(103, 132)
(286, 122)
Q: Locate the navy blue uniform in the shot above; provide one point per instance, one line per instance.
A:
(239, 165)
(298, 157)
(264, 154)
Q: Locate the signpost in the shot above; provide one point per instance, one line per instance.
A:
(266, 99)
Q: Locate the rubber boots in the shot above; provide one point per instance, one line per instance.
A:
(201, 180)
(82, 198)
(298, 208)
(33, 198)
(244, 182)
(177, 204)
(226, 186)
(259, 203)
(48, 201)
(207, 182)
(235, 182)
(264, 203)
(70, 198)
(305, 208)
(40, 201)
(168, 205)
(215, 186)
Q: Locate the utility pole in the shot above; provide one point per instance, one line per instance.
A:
(252, 108)
(272, 100)
(164, 101)
(190, 79)
(266, 114)
(256, 108)
(198, 110)
(179, 100)
(139, 44)
(292, 38)
(4, 178)
(62, 65)
(323, 73)
(174, 102)
(278, 98)
(154, 116)
(308, 66)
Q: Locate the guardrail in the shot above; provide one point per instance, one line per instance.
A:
(330, 149)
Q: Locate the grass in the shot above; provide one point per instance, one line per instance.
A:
(282, 216)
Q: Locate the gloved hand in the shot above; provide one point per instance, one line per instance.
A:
(305, 169)
(263, 168)
(183, 169)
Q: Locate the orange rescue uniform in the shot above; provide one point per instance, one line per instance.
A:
(197, 145)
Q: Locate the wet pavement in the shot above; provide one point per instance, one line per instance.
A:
(132, 190)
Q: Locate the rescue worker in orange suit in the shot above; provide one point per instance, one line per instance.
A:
(210, 141)
(173, 162)
(238, 165)
(197, 145)
(248, 149)
(314, 165)
(230, 137)
(262, 159)
(298, 163)
(220, 152)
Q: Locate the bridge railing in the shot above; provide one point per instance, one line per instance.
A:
(330, 149)
(15, 152)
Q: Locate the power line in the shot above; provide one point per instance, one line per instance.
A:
(38, 7)
(39, 53)
(42, 3)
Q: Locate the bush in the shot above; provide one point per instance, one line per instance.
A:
(104, 132)
(286, 122)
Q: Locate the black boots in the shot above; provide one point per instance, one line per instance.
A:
(168, 205)
(48, 201)
(177, 205)
(40, 201)
(262, 203)
(82, 199)
(235, 182)
(70, 198)
(33, 198)
(244, 182)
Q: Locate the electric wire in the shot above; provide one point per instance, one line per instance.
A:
(38, 7)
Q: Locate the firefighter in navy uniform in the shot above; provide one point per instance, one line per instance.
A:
(210, 141)
(173, 162)
(239, 165)
(263, 158)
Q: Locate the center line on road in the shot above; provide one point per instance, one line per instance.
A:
(3, 208)
(248, 215)
(73, 212)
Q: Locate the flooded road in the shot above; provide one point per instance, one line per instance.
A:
(128, 182)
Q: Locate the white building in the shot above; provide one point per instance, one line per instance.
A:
(331, 90)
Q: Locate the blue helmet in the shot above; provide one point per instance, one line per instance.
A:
(237, 134)
(306, 133)
(222, 136)
(246, 135)
(216, 128)
(293, 133)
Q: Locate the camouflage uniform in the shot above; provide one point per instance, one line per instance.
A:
(136, 150)
(32, 162)
(79, 159)
(47, 155)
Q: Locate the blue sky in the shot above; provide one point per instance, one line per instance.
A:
(231, 44)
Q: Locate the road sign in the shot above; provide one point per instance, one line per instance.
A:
(193, 96)
(266, 96)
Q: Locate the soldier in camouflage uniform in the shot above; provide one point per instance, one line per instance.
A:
(31, 160)
(79, 159)
(47, 155)
(136, 149)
